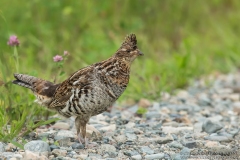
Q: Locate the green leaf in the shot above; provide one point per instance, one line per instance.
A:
(29, 129)
(61, 73)
(17, 144)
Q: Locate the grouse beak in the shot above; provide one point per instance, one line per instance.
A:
(140, 53)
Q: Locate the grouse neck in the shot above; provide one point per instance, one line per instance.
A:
(124, 67)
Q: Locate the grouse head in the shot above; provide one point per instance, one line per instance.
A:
(129, 50)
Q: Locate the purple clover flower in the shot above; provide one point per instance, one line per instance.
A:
(13, 41)
(65, 53)
(57, 58)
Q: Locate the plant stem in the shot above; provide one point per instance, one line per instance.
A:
(16, 58)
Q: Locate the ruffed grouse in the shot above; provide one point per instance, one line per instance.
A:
(90, 90)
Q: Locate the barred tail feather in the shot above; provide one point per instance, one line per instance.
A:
(37, 85)
(25, 80)
(23, 84)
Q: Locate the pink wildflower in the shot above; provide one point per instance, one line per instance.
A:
(65, 53)
(13, 41)
(57, 58)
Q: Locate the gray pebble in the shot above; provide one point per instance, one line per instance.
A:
(204, 100)
(94, 156)
(7, 155)
(80, 156)
(163, 140)
(2, 147)
(136, 157)
(121, 138)
(183, 155)
(47, 134)
(112, 154)
(131, 153)
(216, 118)
(225, 134)
(175, 144)
(198, 127)
(77, 146)
(234, 132)
(59, 152)
(131, 137)
(211, 126)
(218, 138)
(155, 156)
(179, 107)
(107, 148)
(105, 140)
(174, 136)
(190, 144)
(52, 147)
(153, 114)
(37, 146)
(157, 126)
(64, 142)
(133, 109)
(18, 156)
(156, 106)
(62, 134)
(146, 149)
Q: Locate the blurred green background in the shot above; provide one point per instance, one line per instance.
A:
(181, 39)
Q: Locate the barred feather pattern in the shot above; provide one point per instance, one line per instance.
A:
(101, 85)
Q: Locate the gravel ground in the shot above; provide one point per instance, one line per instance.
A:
(201, 122)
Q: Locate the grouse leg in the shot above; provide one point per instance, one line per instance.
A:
(78, 127)
(83, 132)
(80, 124)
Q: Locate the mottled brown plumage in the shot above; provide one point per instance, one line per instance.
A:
(89, 91)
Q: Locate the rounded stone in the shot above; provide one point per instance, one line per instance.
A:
(61, 125)
(52, 147)
(130, 125)
(121, 138)
(147, 150)
(2, 147)
(7, 155)
(77, 146)
(164, 140)
(59, 152)
(218, 138)
(190, 144)
(184, 154)
(106, 148)
(131, 153)
(175, 144)
(37, 146)
(211, 144)
(211, 126)
(155, 156)
(131, 137)
(144, 103)
(64, 134)
(136, 157)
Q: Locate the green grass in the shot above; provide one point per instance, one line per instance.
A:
(182, 40)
